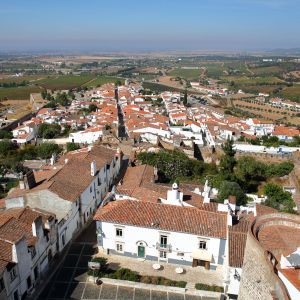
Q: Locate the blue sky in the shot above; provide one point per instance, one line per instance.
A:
(149, 25)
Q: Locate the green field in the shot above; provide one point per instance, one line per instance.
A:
(99, 80)
(65, 82)
(156, 87)
(187, 74)
(291, 93)
(214, 70)
(244, 80)
(263, 71)
(18, 93)
(237, 66)
(259, 88)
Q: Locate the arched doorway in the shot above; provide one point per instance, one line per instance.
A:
(141, 249)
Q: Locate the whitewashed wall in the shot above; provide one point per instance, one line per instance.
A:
(180, 242)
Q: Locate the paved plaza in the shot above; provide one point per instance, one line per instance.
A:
(72, 282)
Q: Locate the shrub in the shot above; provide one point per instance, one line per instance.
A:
(103, 267)
(72, 146)
(146, 279)
(125, 274)
(206, 287)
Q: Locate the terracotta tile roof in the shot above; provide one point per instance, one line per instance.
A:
(135, 177)
(69, 180)
(277, 239)
(237, 237)
(164, 217)
(293, 275)
(75, 176)
(263, 210)
(5, 252)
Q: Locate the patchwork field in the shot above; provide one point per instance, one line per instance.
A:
(245, 80)
(65, 82)
(99, 80)
(18, 93)
(268, 112)
(292, 93)
(272, 70)
(188, 74)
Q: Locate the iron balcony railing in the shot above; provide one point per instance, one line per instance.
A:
(166, 247)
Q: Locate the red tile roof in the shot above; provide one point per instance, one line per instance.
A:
(164, 217)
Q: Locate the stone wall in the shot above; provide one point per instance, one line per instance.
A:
(258, 281)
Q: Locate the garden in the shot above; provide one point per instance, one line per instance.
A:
(127, 274)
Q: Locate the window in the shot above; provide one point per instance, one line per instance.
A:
(2, 287)
(119, 247)
(91, 189)
(99, 181)
(36, 273)
(163, 241)
(63, 240)
(202, 245)
(33, 252)
(119, 232)
(28, 282)
(163, 254)
(16, 295)
(13, 274)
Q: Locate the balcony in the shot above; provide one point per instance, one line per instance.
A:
(166, 247)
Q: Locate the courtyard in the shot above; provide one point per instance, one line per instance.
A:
(71, 280)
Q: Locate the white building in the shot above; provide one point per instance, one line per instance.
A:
(24, 133)
(72, 190)
(156, 231)
(28, 243)
(88, 136)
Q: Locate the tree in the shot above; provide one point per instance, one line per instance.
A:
(72, 146)
(229, 188)
(249, 173)
(118, 82)
(44, 94)
(45, 150)
(93, 107)
(278, 198)
(6, 146)
(49, 131)
(185, 98)
(5, 134)
(280, 169)
(228, 160)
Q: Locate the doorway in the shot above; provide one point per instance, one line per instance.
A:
(141, 251)
(201, 263)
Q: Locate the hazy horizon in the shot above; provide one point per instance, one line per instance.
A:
(156, 26)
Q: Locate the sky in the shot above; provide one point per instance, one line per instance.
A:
(148, 25)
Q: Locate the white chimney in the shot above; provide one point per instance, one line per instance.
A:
(93, 168)
(174, 196)
(52, 160)
(66, 160)
(22, 185)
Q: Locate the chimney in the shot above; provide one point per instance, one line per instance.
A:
(52, 159)
(174, 196)
(66, 160)
(22, 185)
(93, 168)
